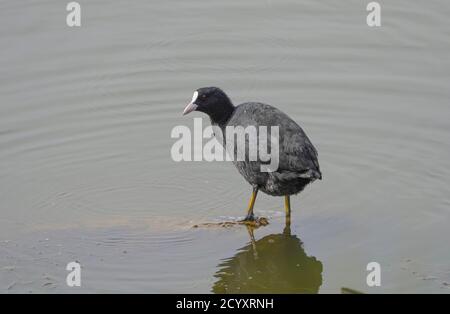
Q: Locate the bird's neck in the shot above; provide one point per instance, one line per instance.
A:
(221, 116)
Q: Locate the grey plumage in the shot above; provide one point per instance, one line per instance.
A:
(298, 164)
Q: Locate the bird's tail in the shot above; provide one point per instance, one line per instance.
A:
(311, 174)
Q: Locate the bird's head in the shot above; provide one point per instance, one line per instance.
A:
(212, 101)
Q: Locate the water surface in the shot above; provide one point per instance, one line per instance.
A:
(85, 167)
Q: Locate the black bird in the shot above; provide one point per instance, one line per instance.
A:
(297, 165)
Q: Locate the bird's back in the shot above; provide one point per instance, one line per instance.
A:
(297, 155)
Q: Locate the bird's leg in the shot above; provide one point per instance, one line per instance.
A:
(287, 229)
(250, 216)
(252, 240)
(251, 234)
(287, 208)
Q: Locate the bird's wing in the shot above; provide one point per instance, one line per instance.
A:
(296, 152)
(298, 155)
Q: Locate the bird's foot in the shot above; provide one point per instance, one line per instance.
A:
(250, 217)
(253, 221)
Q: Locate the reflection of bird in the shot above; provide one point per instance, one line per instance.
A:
(297, 160)
(276, 263)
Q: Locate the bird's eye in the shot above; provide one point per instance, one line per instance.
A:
(203, 96)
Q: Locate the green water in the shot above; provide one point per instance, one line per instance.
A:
(86, 173)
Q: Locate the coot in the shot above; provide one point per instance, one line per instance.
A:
(297, 165)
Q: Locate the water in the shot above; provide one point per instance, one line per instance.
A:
(85, 168)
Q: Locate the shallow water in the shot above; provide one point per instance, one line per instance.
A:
(85, 167)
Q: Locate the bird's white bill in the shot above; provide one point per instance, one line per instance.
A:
(191, 106)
